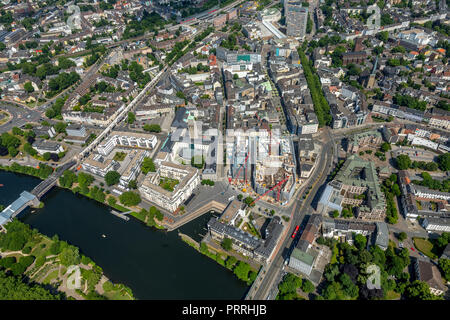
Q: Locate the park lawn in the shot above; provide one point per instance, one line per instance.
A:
(392, 295)
(52, 275)
(117, 295)
(424, 246)
(38, 251)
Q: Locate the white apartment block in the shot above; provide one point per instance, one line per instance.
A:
(423, 192)
(440, 122)
(96, 164)
(127, 139)
(188, 177)
(134, 167)
(309, 128)
(418, 141)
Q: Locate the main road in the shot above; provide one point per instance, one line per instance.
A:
(266, 279)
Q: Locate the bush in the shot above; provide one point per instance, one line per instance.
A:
(112, 178)
(26, 261)
(18, 269)
(26, 250)
(7, 262)
(130, 198)
(40, 261)
(108, 286)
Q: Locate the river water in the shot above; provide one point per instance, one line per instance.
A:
(155, 264)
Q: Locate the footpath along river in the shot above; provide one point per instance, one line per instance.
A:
(155, 264)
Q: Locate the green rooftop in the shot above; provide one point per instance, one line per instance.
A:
(362, 173)
(302, 256)
(355, 139)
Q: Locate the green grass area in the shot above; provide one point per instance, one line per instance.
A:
(119, 156)
(419, 205)
(168, 183)
(117, 295)
(251, 229)
(392, 295)
(424, 246)
(52, 275)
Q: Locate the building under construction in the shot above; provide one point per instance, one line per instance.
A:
(274, 177)
(265, 165)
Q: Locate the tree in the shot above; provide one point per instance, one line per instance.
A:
(241, 270)
(28, 87)
(70, 256)
(307, 286)
(418, 290)
(130, 198)
(230, 262)
(131, 117)
(240, 196)
(385, 147)
(289, 284)
(396, 190)
(60, 127)
(112, 178)
(335, 214)
(227, 243)
(249, 201)
(132, 184)
(152, 127)
(46, 156)
(443, 161)
(403, 162)
(360, 241)
(444, 265)
(67, 179)
(147, 165)
(383, 36)
(402, 236)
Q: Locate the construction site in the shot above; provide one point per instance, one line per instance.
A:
(264, 166)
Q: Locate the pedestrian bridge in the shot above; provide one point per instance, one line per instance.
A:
(33, 198)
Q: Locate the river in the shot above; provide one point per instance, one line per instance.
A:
(155, 264)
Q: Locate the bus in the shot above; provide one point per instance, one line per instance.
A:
(295, 232)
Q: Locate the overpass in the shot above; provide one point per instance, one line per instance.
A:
(32, 198)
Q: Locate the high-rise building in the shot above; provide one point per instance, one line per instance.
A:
(296, 18)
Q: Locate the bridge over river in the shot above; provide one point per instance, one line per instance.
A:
(33, 198)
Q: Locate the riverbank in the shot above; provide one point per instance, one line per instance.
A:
(82, 187)
(55, 264)
(155, 264)
(241, 269)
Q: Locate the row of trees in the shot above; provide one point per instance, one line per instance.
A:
(42, 172)
(152, 127)
(241, 269)
(429, 182)
(321, 107)
(150, 215)
(391, 190)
